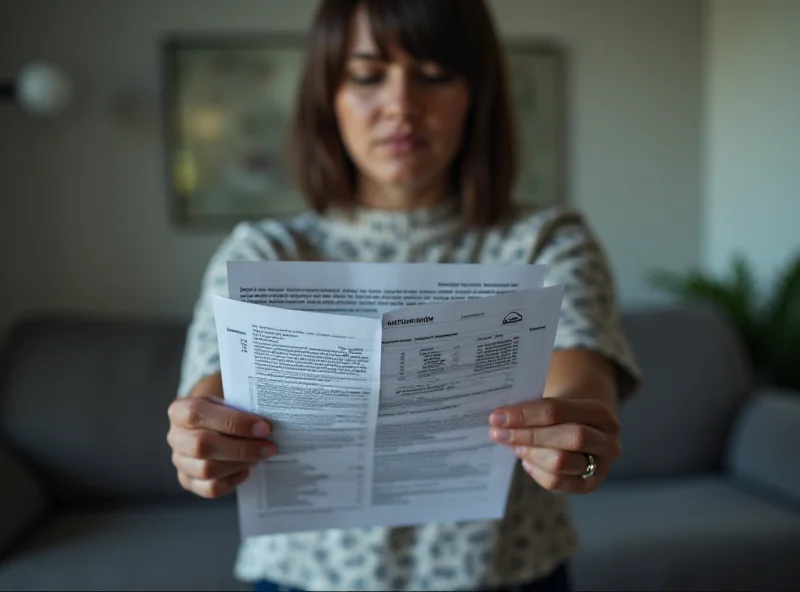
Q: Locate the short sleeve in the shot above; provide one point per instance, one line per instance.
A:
(590, 317)
(201, 352)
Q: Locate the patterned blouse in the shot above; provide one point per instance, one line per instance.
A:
(536, 535)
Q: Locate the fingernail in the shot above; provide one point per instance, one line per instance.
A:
(501, 435)
(498, 419)
(519, 450)
(266, 452)
(261, 430)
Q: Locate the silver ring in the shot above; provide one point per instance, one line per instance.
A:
(591, 467)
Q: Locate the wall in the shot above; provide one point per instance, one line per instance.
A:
(83, 210)
(753, 133)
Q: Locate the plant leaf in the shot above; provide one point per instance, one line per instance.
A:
(734, 296)
(771, 332)
(782, 324)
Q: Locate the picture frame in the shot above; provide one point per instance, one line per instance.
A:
(537, 73)
(227, 101)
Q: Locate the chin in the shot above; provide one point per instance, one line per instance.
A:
(407, 177)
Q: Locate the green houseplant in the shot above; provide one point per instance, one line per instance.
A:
(768, 319)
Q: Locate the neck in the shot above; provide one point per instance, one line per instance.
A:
(399, 198)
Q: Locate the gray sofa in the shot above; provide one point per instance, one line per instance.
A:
(706, 494)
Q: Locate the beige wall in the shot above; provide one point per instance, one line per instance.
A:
(752, 193)
(83, 210)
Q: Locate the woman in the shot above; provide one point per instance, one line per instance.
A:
(402, 142)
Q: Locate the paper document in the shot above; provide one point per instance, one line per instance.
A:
(370, 289)
(380, 414)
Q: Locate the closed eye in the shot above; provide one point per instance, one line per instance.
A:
(372, 79)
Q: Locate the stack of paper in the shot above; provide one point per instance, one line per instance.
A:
(378, 380)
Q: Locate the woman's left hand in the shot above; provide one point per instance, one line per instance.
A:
(554, 436)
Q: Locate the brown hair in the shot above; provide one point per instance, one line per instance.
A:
(459, 35)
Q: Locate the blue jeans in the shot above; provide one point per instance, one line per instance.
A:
(558, 581)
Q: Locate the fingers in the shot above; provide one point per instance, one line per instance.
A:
(553, 436)
(569, 437)
(551, 411)
(212, 414)
(214, 446)
(203, 469)
(562, 470)
(208, 445)
(212, 488)
(557, 462)
(559, 482)
(558, 470)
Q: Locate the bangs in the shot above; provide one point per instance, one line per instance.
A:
(441, 31)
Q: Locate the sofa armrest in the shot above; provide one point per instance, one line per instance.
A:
(23, 501)
(763, 448)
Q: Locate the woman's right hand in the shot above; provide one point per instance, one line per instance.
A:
(213, 445)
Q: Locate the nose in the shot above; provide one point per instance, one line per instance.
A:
(401, 95)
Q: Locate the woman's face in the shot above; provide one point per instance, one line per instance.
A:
(401, 121)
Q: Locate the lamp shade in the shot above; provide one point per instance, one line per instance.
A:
(43, 89)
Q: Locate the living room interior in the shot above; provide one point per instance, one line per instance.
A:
(680, 144)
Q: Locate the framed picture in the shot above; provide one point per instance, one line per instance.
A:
(537, 76)
(228, 100)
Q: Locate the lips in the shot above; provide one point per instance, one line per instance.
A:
(403, 143)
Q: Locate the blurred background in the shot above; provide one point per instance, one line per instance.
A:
(679, 132)
(682, 140)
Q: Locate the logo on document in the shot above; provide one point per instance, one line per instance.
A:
(512, 317)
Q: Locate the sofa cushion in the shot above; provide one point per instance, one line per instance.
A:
(85, 402)
(23, 501)
(763, 450)
(684, 534)
(180, 547)
(695, 380)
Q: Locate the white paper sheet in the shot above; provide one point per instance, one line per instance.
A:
(405, 405)
(370, 289)
(440, 380)
(316, 377)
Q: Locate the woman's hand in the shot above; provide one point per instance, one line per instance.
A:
(553, 436)
(214, 446)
